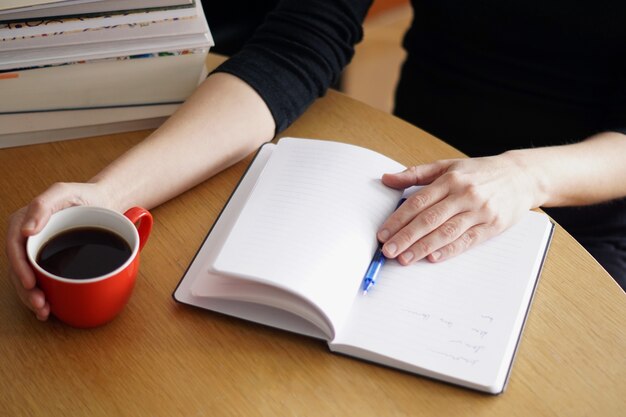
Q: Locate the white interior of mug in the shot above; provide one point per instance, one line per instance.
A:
(84, 216)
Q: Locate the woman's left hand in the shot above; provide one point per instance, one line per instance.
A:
(463, 202)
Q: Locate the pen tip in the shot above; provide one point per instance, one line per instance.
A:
(364, 292)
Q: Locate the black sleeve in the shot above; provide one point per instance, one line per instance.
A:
(615, 120)
(298, 52)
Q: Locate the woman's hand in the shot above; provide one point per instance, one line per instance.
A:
(463, 202)
(202, 138)
(30, 220)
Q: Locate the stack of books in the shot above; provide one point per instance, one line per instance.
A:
(76, 68)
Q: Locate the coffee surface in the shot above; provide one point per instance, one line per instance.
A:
(83, 253)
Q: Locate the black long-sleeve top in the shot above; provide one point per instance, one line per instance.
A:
(560, 64)
(298, 52)
(483, 75)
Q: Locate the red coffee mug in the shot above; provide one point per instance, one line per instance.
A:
(95, 301)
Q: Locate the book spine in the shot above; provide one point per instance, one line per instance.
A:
(105, 83)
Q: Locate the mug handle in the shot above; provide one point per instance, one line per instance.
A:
(143, 216)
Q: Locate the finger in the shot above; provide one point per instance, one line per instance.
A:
(24, 296)
(421, 225)
(37, 299)
(415, 175)
(468, 239)
(15, 248)
(33, 299)
(21, 273)
(444, 235)
(43, 313)
(412, 207)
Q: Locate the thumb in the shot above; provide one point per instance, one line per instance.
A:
(36, 217)
(58, 197)
(416, 175)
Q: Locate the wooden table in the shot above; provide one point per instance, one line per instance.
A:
(159, 358)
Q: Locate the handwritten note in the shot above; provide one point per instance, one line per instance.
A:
(459, 317)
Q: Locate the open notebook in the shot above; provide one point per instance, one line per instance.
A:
(292, 244)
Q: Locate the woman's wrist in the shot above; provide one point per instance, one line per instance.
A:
(582, 173)
(106, 193)
(537, 183)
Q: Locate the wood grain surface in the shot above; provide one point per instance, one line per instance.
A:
(159, 358)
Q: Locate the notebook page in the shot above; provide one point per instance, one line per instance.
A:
(310, 224)
(458, 320)
(198, 286)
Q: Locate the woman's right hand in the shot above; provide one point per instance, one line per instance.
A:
(28, 221)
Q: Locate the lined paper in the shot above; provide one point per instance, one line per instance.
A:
(309, 226)
(459, 318)
(297, 236)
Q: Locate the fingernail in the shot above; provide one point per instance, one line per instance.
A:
(383, 235)
(407, 256)
(29, 225)
(391, 249)
(435, 255)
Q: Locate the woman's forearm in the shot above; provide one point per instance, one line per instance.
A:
(221, 123)
(588, 172)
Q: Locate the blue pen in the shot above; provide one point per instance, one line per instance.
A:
(378, 260)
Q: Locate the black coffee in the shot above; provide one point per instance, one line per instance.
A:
(84, 252)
